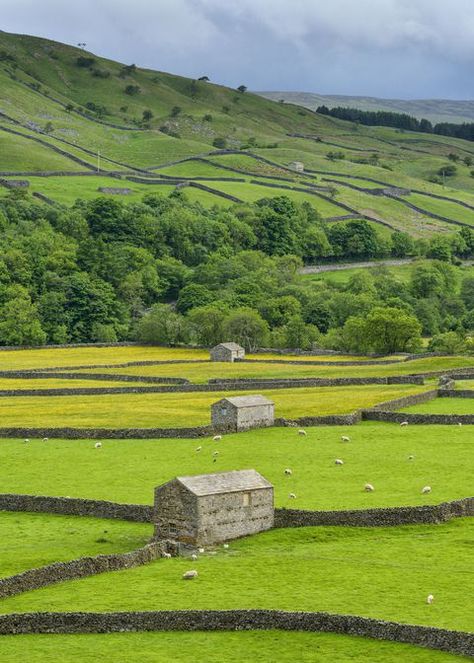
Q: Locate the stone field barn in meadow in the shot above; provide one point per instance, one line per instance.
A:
(210, 508)
(238, 413)
(227, 352)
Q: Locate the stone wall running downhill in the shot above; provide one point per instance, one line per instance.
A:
(454, 642)
(79, 568)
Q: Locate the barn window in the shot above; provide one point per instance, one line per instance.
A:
(246, 499)
(172, 530)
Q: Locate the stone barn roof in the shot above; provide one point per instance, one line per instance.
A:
(247, 401)
(224, 482)
(229, 346)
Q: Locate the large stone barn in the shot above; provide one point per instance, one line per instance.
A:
(227, 352)
(237, 413)
(211, 508)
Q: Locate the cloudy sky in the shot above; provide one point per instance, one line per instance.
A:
(388, 48)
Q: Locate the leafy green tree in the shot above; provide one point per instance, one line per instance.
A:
(300, 335)
(391, 330)
(467, 291)
(162, 326)
(207, 325)
(450, 343)
(246, 327)
(192, 296)
(402, 244)
(19, 321)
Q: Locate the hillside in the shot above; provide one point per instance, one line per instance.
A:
(67, 113)
(435, 110)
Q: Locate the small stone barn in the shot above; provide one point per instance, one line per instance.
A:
(237, 413)
(211, 508)
(227, 352)
(296, 165)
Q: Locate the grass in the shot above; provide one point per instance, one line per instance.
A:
(29, 540)
(60, 383)
(128, 470)
(383, 573)
(242, 647)
(166, 410)
(444, 406)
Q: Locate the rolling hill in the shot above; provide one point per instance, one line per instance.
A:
(72, 123)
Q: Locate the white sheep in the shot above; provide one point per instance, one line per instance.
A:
(226, 545)
(369, 488)
(26, 441)
(345, 438)
(288, 472)
(216, 438)
(190, 575)
(215, 453)
(166, 555)
(45, 439)
(98, 445)
(292, 496)
(301, 432)
(411, 457)
(194, 557)
(426, 489)
(404, 423)
(430, 599)
(201, 550)
(198, 449)
(339, 461)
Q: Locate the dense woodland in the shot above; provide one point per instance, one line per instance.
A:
(169, 271)
(400, 121)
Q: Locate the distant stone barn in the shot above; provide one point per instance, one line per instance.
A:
(298, 166)
(238, 413)
(227, 352)
(210, 508)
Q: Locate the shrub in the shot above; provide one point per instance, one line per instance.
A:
(220, 143)
(132, 90)
(85, 62)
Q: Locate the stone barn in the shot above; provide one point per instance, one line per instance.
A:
(210, 508)
(296, 165)
(227, 352)
(237, 413)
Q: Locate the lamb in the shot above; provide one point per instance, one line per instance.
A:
(216, 438)
(288, 472)
(345, 438)
(194, 557)
(338, 461)
(201, 550)
(369, 488)
(411, 457)
(226, 545)
(301, 432)
(404, 423)
(45, 439)
(26, 441)
(190, 575)
(198, 449)
(292, 496)
(426, 489)
(166, 555)
(430, 599)
(98, 445)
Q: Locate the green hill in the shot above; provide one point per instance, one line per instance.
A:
(66, 113)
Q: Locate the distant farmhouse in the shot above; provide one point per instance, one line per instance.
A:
(211, 508)
(238, 413)
(227, 352)
(296, 165)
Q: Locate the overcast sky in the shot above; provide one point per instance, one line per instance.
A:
(388, 48)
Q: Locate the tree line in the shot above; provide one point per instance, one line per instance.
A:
(167, 270)
(400, 121)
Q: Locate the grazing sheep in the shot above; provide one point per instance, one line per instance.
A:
(292, 496)
(45, 439)
(194, 557)
(98, 445)
(216, 438)
(301, 432)
(404, 423)
(201, 550)
(26, 441)
(459, 423)
(190, 575)
(426, 490)
(430, 599)
(226, 545)
(166, 555)
(338, 461)
(369, 488)
(345, 438)
(198, 449)
(288, 472)
(411, 457)
(215, 453)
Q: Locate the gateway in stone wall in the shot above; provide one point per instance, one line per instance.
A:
(210, 508)
(238, 413)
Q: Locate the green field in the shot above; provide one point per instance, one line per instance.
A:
(444, 406)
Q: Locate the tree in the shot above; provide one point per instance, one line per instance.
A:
(300, 335)
(246, 327)
(147, 115)
(207, 325)
(242, 89)
(447, 171)
(450, 343)
(402, 244)
(192, 296)
(391, 330)
(467, 291)
(220, 143)
(175, 111)
(19, 322)
(204, 78)
(161, 325)
(132, 90)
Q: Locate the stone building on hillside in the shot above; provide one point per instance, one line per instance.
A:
(227, 352)
(238, 413)
(210, 508)
(296, 165)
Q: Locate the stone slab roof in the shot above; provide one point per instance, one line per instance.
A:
(224, 482)
(247, 401)
(229, 346)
